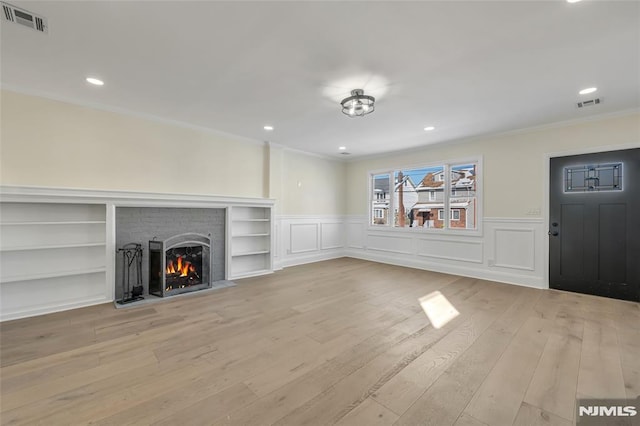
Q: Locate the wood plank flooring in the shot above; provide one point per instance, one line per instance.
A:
(337, 342)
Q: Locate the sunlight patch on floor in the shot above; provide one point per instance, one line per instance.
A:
(438, 309)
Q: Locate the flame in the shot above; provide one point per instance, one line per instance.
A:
(180, 267)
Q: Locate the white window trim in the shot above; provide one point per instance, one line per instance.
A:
(446, 190)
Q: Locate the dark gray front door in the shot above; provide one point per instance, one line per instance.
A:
(594, 224)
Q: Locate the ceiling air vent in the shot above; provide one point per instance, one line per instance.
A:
(23, 17)
(590, 102)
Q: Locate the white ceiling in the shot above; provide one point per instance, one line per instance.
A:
(469, 68)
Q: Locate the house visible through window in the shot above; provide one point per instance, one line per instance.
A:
(379, 199)
(422, 197)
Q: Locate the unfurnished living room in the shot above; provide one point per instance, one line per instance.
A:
(320, 212)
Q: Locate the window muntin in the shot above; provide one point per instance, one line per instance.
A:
(422, 197)
(593, 178)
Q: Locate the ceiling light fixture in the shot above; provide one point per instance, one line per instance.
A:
(588, 90)
(268, 128)
(342, 148)
(358, 104)
(573, 1)
(428, 128)
(95, 81)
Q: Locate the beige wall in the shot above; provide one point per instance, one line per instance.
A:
(513, 164)
(56, 144)
(311, 185)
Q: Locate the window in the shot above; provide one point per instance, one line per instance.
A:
(424, 197)
(462, 199)
(380, 199)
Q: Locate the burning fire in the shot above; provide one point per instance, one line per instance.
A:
(180, 267)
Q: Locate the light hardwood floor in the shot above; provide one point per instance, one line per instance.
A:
(337, 342)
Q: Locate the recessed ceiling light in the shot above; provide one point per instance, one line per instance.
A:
(588, 90)
(429, 128)
(95, 81)
(342, 148)
(573, 1)
(268, 128)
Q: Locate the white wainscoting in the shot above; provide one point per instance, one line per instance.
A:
(304, 239)
(507, 250)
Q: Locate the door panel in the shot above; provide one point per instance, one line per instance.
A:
(594, 226)
(572, 266)
(612, 267)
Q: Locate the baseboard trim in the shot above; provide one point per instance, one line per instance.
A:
(50, 309)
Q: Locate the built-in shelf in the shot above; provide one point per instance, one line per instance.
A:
(51, 253)
(250, 241)
(52, 246)
(251, 253)
(253, 273)
(46, 275)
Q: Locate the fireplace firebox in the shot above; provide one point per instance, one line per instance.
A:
(179, 264)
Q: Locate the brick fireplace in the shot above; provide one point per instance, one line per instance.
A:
(193, 235)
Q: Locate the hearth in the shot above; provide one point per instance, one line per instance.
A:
(179, 264)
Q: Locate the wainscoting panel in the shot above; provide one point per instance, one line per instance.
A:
(397, 244)
(355, 234)
(449, 249)
(514, 248)
(331, 235)
(303, 237)
(306, 239)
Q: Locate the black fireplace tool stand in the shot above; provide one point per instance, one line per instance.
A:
(131, 265)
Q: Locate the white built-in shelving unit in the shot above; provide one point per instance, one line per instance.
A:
(58, 246)
(251, 242)
(51, 255)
